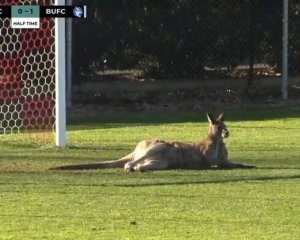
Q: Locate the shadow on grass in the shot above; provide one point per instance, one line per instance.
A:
(215, 181)
(135, 180)
(121, 119)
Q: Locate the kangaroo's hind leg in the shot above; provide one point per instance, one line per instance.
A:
(143, 156)
(151, 165)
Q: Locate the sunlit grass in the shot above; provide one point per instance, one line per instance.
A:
(260, 203)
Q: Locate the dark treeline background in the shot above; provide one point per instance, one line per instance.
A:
(183, 39)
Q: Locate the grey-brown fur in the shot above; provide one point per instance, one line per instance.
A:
(159, 155)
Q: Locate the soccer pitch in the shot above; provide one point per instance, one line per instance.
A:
(260, 203)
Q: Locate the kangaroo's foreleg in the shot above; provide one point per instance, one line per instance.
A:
(227, 164)
(231, 165)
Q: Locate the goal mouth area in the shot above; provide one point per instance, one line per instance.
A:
(27, 79)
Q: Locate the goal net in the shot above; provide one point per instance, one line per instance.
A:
(27, 79)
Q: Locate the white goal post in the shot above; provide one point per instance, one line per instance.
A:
(60, 76)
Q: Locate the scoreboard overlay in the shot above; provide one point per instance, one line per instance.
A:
(28, 16)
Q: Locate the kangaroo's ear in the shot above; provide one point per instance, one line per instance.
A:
(221, 117)
(210, 118)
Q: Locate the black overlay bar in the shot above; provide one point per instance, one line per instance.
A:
(51, 11)
(5, 11)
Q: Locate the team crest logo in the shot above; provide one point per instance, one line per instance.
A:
(78, 11)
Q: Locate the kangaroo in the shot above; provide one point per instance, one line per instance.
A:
(158, 154)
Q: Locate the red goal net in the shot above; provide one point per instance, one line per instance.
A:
(27, 77)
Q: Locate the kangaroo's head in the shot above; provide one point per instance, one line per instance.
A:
(217, 128)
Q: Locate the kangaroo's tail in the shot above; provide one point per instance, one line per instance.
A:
(107, 164)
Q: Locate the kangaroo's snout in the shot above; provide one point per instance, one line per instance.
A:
(225, 133)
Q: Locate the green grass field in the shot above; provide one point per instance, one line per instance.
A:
(260, 203)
